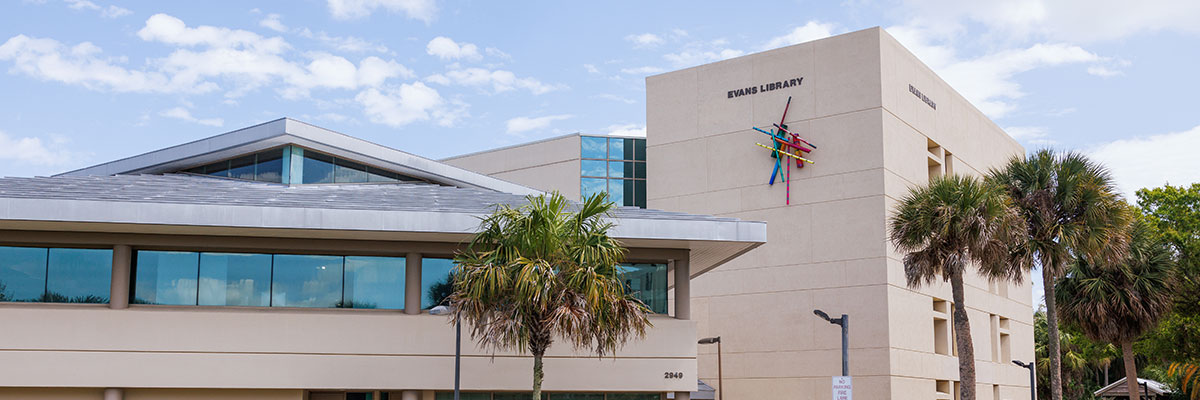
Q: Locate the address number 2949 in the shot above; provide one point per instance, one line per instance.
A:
(673, 375)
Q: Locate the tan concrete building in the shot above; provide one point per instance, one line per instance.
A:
(286, 261)
(883, 122)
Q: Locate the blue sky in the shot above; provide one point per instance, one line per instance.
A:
(87, 81)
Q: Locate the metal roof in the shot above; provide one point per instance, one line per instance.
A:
(1119, 388)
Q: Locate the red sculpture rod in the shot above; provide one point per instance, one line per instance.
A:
(789, 144)
(795, 136)
(785, 109)
(778, 140)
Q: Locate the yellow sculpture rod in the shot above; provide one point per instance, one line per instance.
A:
(786, 153)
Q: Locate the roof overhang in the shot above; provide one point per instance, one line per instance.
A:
(285, 131)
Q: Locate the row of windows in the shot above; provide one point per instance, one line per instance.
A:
(34, 274)
(626, 192)
(606, 148)
(313, 167)
(282, 280)
(612, 169)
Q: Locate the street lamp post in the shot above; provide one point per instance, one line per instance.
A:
(844, 321)
(720, 379)
(1032, 378)
(441, 310)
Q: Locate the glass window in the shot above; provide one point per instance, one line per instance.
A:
(633, 396)
(22, 273)
(349, 172)
(576, 396)
(469, 396)
(436, 281)
(242, 168)
(217, 169)
(639, 193)
(590, 186)
(166, 277)
(627, 191)
(648, 282)
(591, 168)
(379, 175)
(78, 275)
(374, 282)
(230, 279)
(515, 395)
(616, 169)
(593, 147)
(616, 191)
(639, 170)
(306, 281)
(616, 148)
(318, 168)
(270, 166)
(639, 149)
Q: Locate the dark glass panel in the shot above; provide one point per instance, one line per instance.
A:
(630, 169)
(217, 169)
(639, 149)
(639, 193)
(270, 166)
(592, 168)
(616, 191)
(590, 186)
(318, 168)
(358, 396)
(639, 170)
(630, 198)
(593, 147)
(374, 282)
(515, 395)
(197, 170)
(616, 148)
(78, 275)
(230, 279)
(616, 169)
(648, 282)
(469, 396)
(349, 172)
(633, 396)
(306, 281)
(166, 277)
(379, 175)
(436, 281)
(242, 168)
(22, 273)
(630, 148)
(576, 396)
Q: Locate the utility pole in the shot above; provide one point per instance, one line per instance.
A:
(844, 321)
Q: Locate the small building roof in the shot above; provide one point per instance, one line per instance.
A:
(1119, 388)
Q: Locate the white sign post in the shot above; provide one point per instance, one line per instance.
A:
(843, 388)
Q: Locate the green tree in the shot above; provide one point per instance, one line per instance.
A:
(1071, 208)
(953, 224)
(1174, 212)
(1118, 302)
(540, 272)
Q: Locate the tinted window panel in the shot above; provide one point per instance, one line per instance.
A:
(633, 396)
(616, 169)
(616, 148)
(242, 168)
(379, 175)
(628, 192)
(270, 166)
(639, 170)
(436, 283)
(576, 396)
(590, 186)
(229, 279)
(22, 273)
(217, 169)
(78, 275)
(593, 147)
(592, 168)
(348, 172)
(648, 282)
(318, 168)
(166, 277)
(306, 281)
(616, 191)
(639, 191)
(470, 396)
(639, 146)
(374, 282)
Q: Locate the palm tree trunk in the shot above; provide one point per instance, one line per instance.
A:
(537, 376)
(1052, 334)
(1130, 370)
(962, 338)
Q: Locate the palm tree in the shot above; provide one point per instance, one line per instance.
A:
(542, 271)
(1071, 208)
(954, 223)
(1119, 302)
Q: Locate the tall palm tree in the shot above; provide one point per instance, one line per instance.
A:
(541, 271)
(1071, 208)
(1120, 301)
(955, 223)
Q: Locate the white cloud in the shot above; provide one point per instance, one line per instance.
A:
(50, 60)
(447, 49)
(168, 29)
(987, 81)
(1068, 20)
(645, 40)
(1102, 71)
(1152, 161)
(273, 22)
(499, 80)
(647, 70)
(423, 10)
(494, 52)
(183, 114)
(810, 31)
(1034, 135)
(695, 55)
(33, 150)
(591, 69)
(107, 12)
(525, 124)
(627, 130)
(408, 103)
(613, 97)
(350, 44)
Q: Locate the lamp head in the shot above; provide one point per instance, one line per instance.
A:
(1021, 364)
(710, 340)
(822, 314)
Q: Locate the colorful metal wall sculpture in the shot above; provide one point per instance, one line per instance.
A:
(786, 144)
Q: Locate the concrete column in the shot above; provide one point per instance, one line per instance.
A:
(683, 290)
(412, 285)
(118, 291)
(410, 395)
(683, 395)
(114, 393)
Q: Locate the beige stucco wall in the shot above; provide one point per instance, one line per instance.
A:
(551, 164)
